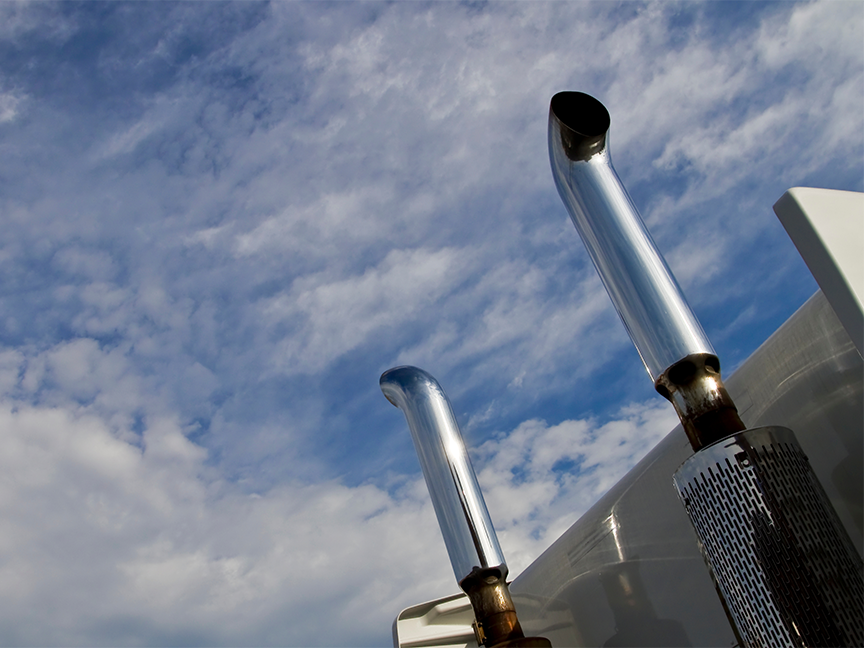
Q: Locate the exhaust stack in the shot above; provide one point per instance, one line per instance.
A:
(472, 544)
(783, 563)
(674, 348)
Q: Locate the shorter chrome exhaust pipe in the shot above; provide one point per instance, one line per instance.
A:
(469, 536)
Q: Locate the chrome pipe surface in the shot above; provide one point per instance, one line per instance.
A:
(462, 515)
(634, 273)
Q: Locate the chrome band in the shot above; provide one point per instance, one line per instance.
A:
(465, 524)
(635, 275)
(785, 565)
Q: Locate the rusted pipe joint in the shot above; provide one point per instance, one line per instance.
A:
(495, 622)
(695, 389)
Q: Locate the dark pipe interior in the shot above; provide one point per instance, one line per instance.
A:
(581, 113)
(583, 124)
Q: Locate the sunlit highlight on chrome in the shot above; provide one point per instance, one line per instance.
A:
(462, 515)
(613, 525)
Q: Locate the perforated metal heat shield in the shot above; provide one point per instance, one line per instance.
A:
(783, 562)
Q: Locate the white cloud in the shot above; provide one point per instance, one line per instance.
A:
(20, 18)
(102, 533)
(125, 142)
(9, 104)
(812, 35)
(335, 221)
(687, 103)
(98, 531)
(338, 316)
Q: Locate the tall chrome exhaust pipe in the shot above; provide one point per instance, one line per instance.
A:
(469, 536)
(675, 350)
(783, 563)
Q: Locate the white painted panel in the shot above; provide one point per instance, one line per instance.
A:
(827, 227)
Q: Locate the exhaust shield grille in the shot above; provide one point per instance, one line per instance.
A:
(786, 567)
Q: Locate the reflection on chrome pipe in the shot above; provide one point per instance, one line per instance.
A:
(475, 555)
(784, 565)
(644, 292)
(676, 352)
(459, 505)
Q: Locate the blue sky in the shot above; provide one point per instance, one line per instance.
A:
(222, 222)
